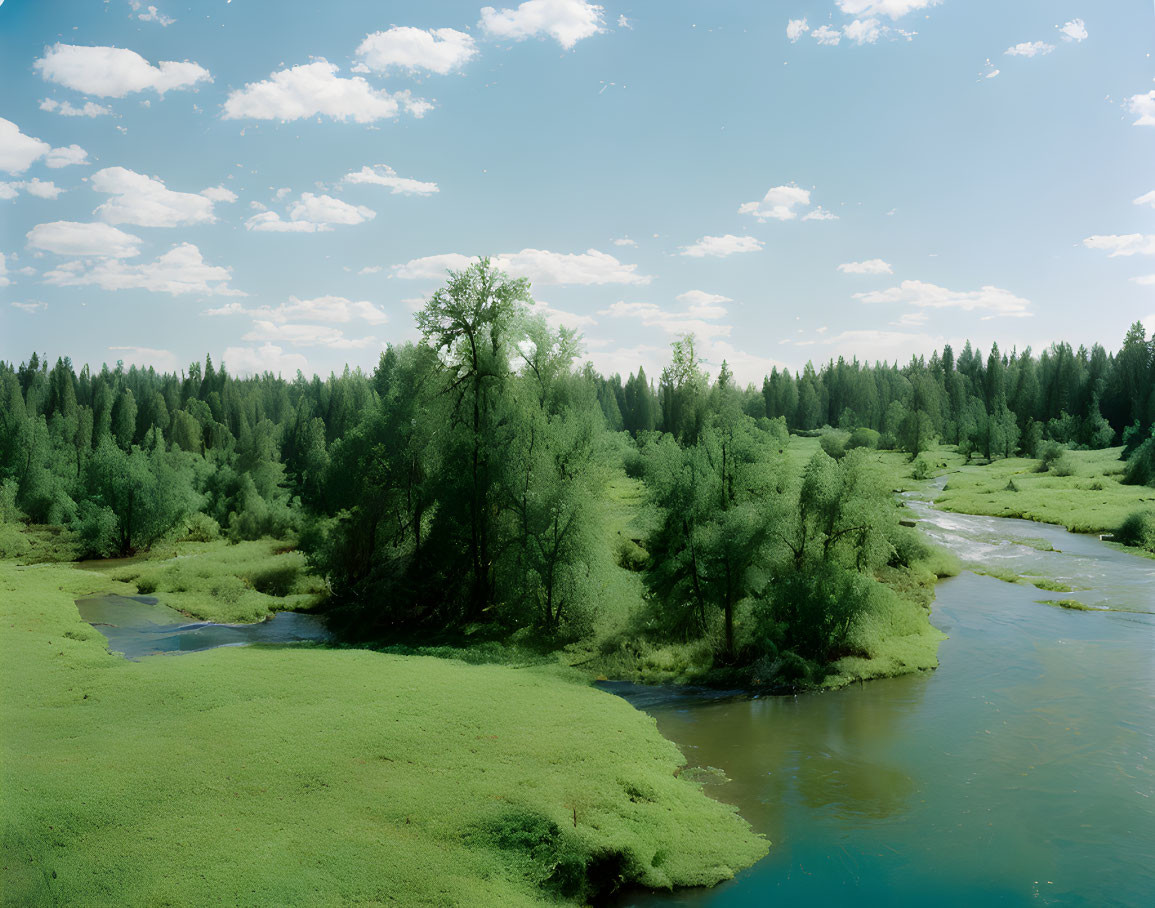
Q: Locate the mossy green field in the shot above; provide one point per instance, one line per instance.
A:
(306, 775)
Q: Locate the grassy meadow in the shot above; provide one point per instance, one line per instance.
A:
(267, 775)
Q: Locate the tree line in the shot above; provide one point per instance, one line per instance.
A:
(462, 482)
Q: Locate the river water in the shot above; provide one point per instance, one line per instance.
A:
(1022, 770)
(139, 626)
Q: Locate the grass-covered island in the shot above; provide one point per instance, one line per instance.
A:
(488, 527)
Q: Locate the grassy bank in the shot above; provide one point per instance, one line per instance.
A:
(309, 775)
(1090, 499)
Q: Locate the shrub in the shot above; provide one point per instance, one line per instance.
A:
(1138, 530)
(921, 469)
(811, 612)
(97, 531)
(200, 527)
(863, 438)
(278, 579)
(1055, 458)
(1140, 470)
(834, 444)
(909, 547)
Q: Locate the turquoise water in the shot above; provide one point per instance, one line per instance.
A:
(1022, 771)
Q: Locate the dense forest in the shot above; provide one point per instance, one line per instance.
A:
(459, 484)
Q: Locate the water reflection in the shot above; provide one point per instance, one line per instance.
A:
(139, 626)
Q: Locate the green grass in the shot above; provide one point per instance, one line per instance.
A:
(309, 775)
(1072, 604)
(1091, 500)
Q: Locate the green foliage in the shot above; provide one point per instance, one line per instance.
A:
(863, 437)
(921, 469)
(1138, 530)
(834, 443)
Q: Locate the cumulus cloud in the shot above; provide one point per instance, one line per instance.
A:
(438, 50)
(624, 241)
(566, 21)
(179, 271)
(150, 14)
(1075, 30)
(540, 266)
(4, 279)
(384, 175)
(673, 323)
(219, 194)
(795, 29)
(244, 361)
(161, 360)
(326, 309)
(895, 9)
(1142, 105)
(76, 238)
(704, 305)
(146, 202)
(113, 72)
(18, 151)
(778, 204)
(65, 109)
(863, 31)
(315, 89)
(921, 295)
(1126, 244)
(870, 266)
(1030, 49)
(43, 189)
(560, 318)
(721, 246)
(820, 214)
(827, 36)
(311, 214)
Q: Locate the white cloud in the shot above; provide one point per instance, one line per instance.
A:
(315, 89)
(1147, 198)
(311, 214)
(704, 305)
(327, 309)
(873, 344)
(65, 156)
(795, 29)
(820, 214)
(541, 266)
(566, 21)
(219, 194)
(180, 270)
(721, 246)
(1143, 105)
(1145, 280)
(146, 202)
(113, 72)
(371, 269)
(1075, 30)
(1030, 49)
(870, 266)
(18, 151)
(384, 175)
(43, 189)
(895, 9)
(439, 50)
(827, 36)
(996, 301)
(624, 241)
(1127, 244)
(652, 315)
(28, 307)
(778, 204)
(75, 238)
(4, 279)
(151, 14)
(560, 318)
(306, 335)
(244, 361)
(161, 360)
(432, 267)
(864, 31)
(65, 109)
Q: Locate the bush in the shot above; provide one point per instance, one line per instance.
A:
(200, 527)
(278, 580)
(1055, 458)
(909, 547)
(834, 444)
(811, 612)
(863, 438)
(1138, 530)
(97, 531)
(921, 469)
(1140, 470)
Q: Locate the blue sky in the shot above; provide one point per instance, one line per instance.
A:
(790, 180)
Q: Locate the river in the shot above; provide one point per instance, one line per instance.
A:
(1022, 770)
